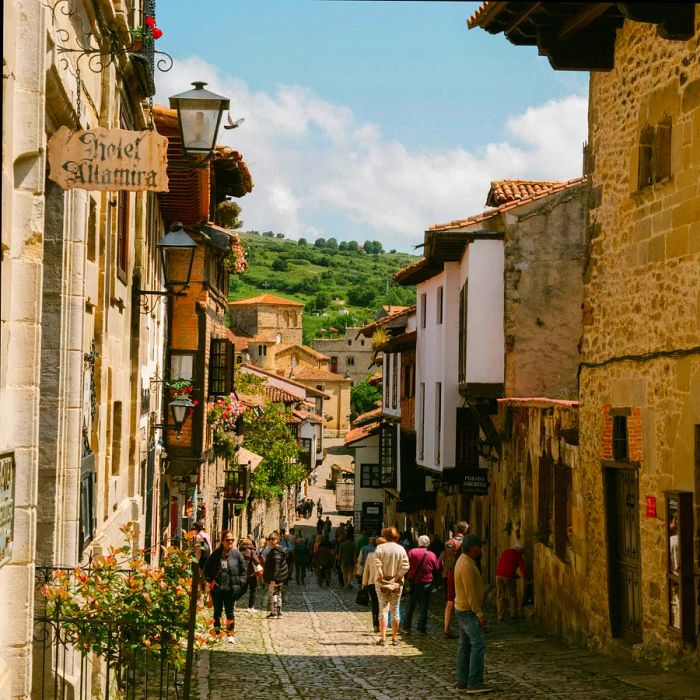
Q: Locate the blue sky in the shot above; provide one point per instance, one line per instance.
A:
(373, 119)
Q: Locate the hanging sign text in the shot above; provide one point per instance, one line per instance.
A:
(109, 159)
(475, 482)
(7, 505)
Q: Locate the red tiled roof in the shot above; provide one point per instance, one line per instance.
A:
(367, 417)
(265, 299)
(504, 191)
(376, 378)
(310, 390)
(307, 415)
(384, 320)
(391, 310)
(460, 223)
(357, 434)
(277, 395)
(311, 373)
(482, 11)
(240, 342)
(281, 347)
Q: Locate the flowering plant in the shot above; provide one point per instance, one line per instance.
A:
(235, 260)
(179, 387)
(122, 608)
(149, 30)
(222, 417)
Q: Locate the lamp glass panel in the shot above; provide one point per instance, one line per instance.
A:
(199, 120)
(179, 412)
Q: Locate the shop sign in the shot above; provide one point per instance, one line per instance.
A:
(7, 505)
(651, 506)
(109, 159)
(475, 482)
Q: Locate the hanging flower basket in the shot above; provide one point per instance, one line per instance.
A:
(222, 417)
(235, 261)
(179, 387)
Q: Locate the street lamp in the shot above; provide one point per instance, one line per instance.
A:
(180, 409)
(177, 239)
(199, 115)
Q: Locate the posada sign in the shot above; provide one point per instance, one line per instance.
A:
(109, 159)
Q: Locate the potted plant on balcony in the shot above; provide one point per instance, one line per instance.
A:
(235, 260)
(149, 30)
(179, 387)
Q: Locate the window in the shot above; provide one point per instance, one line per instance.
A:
(86, 527)
(654, 153)
(387, 454)
(408, 381)
(423, 309)
(463, 334)
(362, 342)
(182, 366)
(680, 565)
(395, 381)
(369, 476)
(334, 364)
(438, 420)
(421, 422)
(123, 199)
(349, 341)
(116, 437)
(92, 230)
(220, 367)
(350, 360)
(262, 350)
(440, 300)
(562, 511)
(620, 443)
(545, 516)
(467, 450)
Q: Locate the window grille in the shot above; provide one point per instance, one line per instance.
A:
(387, 454)
(620, 444)
(369, 476)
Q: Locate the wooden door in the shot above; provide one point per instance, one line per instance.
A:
(624, 572)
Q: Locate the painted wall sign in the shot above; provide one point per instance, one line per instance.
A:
(475, 482)
(7, 505)
(109, 159)
(651, 506)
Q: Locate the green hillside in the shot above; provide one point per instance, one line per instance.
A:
(328, 279)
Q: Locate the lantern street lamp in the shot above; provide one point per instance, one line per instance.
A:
(180, 409)
(199, 115)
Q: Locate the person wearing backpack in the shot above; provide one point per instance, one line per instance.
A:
(422, 564)
(452, 551)
(225, 571)
(254, 569)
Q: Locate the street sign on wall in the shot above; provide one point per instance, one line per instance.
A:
(7, 505)
(475, 482)
(109, 159)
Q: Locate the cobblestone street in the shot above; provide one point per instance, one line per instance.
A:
(323, 647)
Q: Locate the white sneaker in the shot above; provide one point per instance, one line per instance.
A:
(230, 640)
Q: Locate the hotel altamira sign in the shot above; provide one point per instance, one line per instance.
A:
(109, 159)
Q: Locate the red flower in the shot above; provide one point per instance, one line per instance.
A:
(151, 22)
(157, 33)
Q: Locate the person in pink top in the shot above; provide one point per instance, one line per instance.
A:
(422, 565)
(510, 561)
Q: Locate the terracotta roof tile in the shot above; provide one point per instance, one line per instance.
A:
(303, 373)
(307, 415)
(265, 299)
(277, 395)
(310, 390)
(357, 434)
(367, 417)
(504, 191)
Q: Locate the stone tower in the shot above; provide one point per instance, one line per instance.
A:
(270, 318)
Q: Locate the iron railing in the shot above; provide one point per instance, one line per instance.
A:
(69, 667)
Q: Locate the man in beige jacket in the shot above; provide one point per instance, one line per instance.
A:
(469, 601)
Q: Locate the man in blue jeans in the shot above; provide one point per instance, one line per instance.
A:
(469, 601)
(423, 564)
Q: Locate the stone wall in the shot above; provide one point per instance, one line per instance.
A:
(267, 321)
(544, 253)
(359, 349)
(642, 307)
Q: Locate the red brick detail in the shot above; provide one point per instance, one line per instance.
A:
(634, 435)
(607, 449)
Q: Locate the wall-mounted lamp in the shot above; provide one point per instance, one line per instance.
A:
(180, 409)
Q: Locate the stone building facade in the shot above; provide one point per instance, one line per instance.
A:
(641, 334)
(268, 318)
(350, 355)
(639, 383)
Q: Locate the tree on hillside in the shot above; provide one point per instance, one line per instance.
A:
(320, 243)
(332, 243)
(301, 242)
(364, 397)
(361, 296)
(342, 245)
(373, 247)
(320, 301)
(280, 265)
(353, 246)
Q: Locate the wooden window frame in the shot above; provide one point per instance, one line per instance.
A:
(620, 437)
(439, 305)
(423, 310)
(220, 367)
(462, 369)
(467, 439)
(370, 476)
(654, 154)
(421, 425)
(122, 246)
(438, 422)
(388, 454)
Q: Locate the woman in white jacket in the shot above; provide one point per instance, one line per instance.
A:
(390, 566)
(368, 579)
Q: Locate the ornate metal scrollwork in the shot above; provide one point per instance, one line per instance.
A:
(101, 45)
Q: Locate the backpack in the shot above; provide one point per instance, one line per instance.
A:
(453, 548)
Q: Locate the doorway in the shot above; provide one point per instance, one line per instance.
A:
(624, 570)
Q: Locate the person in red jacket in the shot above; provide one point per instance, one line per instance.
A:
(507, 579)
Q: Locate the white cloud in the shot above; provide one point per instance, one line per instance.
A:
(313, 161)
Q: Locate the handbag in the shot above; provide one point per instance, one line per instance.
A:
(362, 597)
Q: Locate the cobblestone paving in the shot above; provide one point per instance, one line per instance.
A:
(323, 647)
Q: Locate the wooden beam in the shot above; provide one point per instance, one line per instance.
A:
(675, 20)
(522, 17)
(581, 20)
